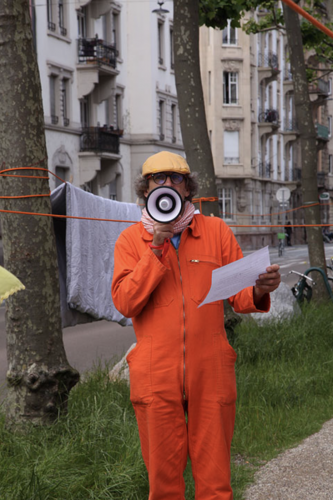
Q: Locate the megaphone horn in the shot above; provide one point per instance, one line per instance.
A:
(164, 204)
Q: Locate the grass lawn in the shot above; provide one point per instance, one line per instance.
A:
(285, 380)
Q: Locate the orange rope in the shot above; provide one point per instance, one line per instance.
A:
(200, 200)
(136, 222)
(310, 18)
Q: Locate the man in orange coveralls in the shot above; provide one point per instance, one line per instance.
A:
(182, 362)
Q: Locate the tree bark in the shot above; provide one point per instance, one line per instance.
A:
(39, 376)
(308, 146)
(190, 99)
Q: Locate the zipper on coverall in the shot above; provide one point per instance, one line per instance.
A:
(181, 282)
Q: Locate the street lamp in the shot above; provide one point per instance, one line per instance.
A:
(160, 10)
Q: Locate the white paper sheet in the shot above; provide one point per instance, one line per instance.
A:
(231, 279)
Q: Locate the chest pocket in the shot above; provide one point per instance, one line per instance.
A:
(200, 269)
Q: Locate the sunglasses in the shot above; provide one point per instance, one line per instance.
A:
(161, 177)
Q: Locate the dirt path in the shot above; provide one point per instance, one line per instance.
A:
(302, 473)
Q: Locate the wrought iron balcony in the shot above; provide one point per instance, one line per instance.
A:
(268, 60)
(322, 132)
(321, 179)
(94, 50)
(265, 169)
(320, 86)
(101, 139)
(269, 116)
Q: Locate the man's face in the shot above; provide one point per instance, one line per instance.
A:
(181, 188)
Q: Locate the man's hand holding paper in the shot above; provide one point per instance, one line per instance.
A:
(254, 270)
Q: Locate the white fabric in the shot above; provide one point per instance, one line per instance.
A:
(90, 251)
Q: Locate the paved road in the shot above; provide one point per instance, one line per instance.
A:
(87, 344)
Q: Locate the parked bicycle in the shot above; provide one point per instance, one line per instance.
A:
(303, 288)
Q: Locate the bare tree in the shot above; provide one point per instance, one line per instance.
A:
(190, 98)
(308, 137)
(39, 376)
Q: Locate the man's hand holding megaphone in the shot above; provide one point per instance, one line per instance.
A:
(164, 205)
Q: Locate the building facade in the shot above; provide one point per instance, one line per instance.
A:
(249, 98)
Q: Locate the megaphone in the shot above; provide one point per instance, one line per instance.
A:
(164, 204)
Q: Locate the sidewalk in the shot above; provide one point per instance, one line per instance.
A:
(302, 473)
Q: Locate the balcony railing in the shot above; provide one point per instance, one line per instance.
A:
(100, 139)
(94, 50)
(320, 86)
(268, 60)
(269, 116)
(265, 169)
(322, 131)
(321, 179)
(290, 125)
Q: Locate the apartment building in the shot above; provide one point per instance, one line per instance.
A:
(249, 98)
(108, 90)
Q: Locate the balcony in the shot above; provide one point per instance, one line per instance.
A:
(97, 67)
(290, 130)
(321, 179)
(265, 169)
(320, 87)
(100, 139)
(94, 50)
(322, 132)
(268, 66)
(268, 122)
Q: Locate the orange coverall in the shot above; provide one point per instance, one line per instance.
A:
(182, 359)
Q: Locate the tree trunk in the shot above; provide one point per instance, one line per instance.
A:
(39, 376)
(308, 146)
(191, 102)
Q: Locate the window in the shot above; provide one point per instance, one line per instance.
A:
(229, 35)
(230, 88)
(85, 111)
(161, 105)
(117, 111)
(231, 146)
(160, 43)
(116, 30)
(63, 30)
(51, 15)
(63, 173)
(225, 202)
(81, 22)
(172, 50)
(330, 164)
(54, 105)
(65, 101)
(113, 189)
(329, 86)
(174, 122)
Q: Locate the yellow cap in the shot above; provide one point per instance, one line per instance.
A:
(165, 162)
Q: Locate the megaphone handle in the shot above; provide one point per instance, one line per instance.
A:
(164, 247)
